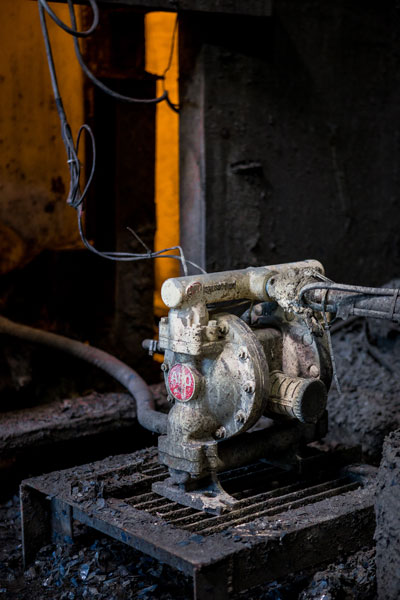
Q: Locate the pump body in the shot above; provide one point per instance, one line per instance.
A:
(224, 371)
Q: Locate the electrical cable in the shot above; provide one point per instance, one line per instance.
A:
(174, 107)
(99, 83)
(66, 28)
(131, 256)
(75, 196)
(330, 346)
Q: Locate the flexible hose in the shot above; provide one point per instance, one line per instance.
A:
(147, 416)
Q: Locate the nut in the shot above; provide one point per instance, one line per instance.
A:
(248, 387)
(314, 371)
(223, 328)
(220, 433)
(164, 367)
(240, 416)
(307, 339)
(243, 354)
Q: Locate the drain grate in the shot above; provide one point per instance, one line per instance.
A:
(278, 520)
(250, 505)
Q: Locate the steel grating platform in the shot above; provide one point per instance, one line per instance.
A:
(282, 523)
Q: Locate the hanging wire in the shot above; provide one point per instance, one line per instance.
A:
(76, 34)
(132, 256)
(66, 28)
(76, 198)
(99, 83)
(174, 107)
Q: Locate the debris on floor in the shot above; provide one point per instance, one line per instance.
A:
(388, 520)
(367, 354)
(92, 567)
(354, 579)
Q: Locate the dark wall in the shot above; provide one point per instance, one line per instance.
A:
(290, 137)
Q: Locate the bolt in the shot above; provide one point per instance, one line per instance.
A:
(164, 366)
(314, 371)
(240, 416)
(212, 323)
(243, 353)
(170, 399)
(164, 320)
(307, 339)
(223, 328)
(220, 433)
(248, 388)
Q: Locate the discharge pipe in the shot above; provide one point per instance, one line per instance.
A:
(346, 301)
(147, 416)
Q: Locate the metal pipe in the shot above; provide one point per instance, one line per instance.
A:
(136, 386)
(346, 301)
(182, 292)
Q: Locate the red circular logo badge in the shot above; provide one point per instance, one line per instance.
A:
(181, 382)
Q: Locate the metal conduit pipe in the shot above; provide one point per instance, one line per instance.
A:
(345, 300)
(147, 416)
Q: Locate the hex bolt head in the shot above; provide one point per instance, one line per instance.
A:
(223, 328)
(258, 310)
(164, 320)
(243, 354)
(220, 433)
(212, 323)
(314, 371)
(164, 367)
(248, 387)
(240, 416)
(307, 339)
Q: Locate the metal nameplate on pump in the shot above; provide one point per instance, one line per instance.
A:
(181, 382)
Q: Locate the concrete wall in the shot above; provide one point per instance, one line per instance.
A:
(290, 137)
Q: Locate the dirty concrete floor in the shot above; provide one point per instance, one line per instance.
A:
(367, 353)
(387, 502)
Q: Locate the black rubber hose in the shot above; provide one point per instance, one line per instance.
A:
(147, 416)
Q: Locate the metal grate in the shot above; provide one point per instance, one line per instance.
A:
(280, 518)
(282, 492)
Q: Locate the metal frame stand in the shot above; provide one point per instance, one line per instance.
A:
(291, 526)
